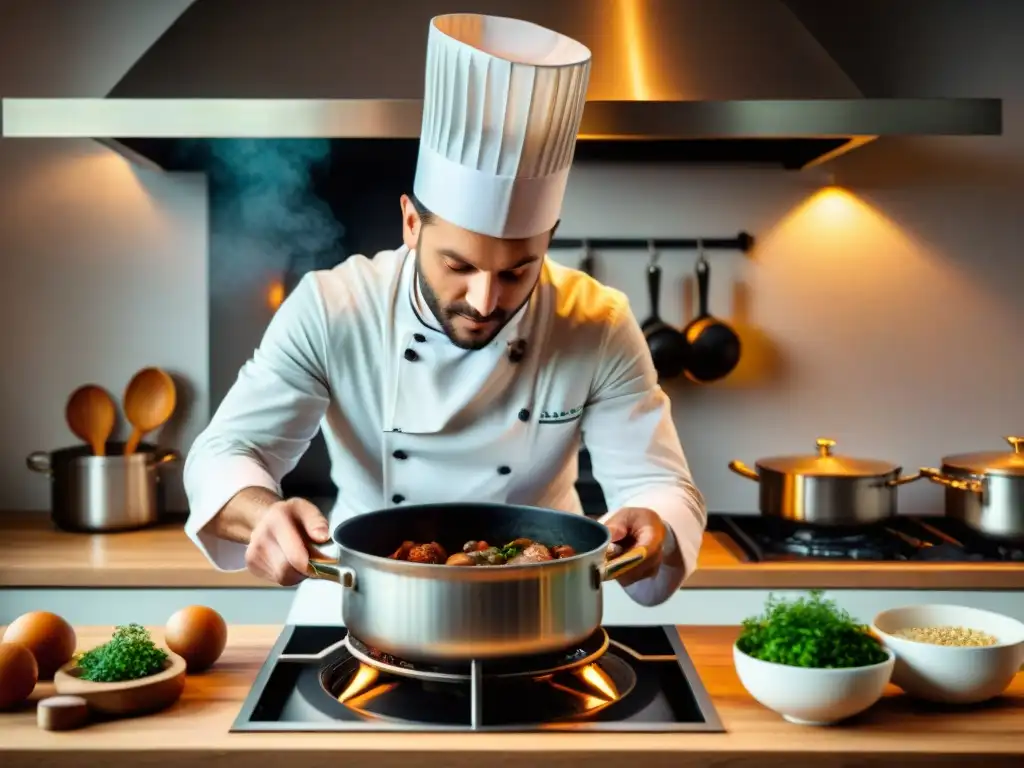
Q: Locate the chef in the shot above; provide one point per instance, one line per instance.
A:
(463, 366)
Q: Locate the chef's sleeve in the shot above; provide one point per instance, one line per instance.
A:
(265, 422)
(636, 454)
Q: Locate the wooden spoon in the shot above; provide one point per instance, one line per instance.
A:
(149, 401)
(91, 413)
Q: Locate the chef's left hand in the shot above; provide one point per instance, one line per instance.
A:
(636, 526)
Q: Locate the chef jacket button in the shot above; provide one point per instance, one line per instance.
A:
(400, 455)
(419, 337)
(398, 498)
(524, 415)
(411, 356)
(503, 470)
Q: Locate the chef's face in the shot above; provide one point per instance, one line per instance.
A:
(474, 284)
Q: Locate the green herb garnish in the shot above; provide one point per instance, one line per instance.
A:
(129, 655)
(809, 632)
(509, 551)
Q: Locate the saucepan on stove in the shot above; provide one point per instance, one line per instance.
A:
(528, 580)
(826, 488)
(985, 490)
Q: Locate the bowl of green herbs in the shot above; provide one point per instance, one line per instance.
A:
(127, 675)
(810, 661)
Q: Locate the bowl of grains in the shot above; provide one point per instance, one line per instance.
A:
(951, 654)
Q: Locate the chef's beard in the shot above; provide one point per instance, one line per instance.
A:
(446, 314)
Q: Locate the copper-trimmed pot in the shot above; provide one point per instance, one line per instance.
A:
(825, 488)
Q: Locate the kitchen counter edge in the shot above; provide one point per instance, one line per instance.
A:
(163, 557)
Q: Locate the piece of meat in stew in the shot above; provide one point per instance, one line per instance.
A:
(431, 553)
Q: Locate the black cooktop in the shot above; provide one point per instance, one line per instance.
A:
(901, 538)
(644, 681)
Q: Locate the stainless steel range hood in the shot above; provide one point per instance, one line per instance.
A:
(737, 81)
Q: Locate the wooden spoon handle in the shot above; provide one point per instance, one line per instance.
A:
(99, 447)
(133, 441)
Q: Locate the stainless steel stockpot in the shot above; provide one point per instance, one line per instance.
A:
(422, 612)
(986, 489)
(94, 494)
(826, 488)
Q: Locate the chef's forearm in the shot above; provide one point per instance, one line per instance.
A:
(236, 519)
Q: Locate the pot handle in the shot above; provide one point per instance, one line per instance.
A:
(164, 456)
(905, 479)
(39, 461)
(956, 483)
(336, 572)
(627, 561)
(743, 470)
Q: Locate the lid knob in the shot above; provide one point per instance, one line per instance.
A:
(1016, 443)
(825, 446)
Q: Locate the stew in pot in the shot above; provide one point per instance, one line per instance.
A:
(516, 552)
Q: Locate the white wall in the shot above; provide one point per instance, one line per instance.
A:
(105, 271)
(103, 266)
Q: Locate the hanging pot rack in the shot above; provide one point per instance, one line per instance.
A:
(743, 242)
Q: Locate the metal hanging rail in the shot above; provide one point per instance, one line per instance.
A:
(743, 242)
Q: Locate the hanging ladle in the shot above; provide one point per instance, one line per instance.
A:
(149, 401)
(90, 413)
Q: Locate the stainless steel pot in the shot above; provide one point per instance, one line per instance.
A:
(422, 612)
(94, 494)
(826, 489)
(985, 490)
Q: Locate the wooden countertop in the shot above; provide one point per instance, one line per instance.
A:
(895, 732)
(34, 554)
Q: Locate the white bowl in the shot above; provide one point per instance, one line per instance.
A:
(813, 696)
(952, 674)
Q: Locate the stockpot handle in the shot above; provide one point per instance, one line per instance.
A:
(39, 461)
(956, 483)
(905, 479)
(743, 470)
(332, 571)
(627, 561)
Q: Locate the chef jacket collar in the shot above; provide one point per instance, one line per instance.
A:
(513, 330)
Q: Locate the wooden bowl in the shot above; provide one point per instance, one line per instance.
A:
(131, 697)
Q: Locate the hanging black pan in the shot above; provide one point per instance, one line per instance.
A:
(668, 346)
(713, 347)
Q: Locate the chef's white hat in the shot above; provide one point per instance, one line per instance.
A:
(501, 111)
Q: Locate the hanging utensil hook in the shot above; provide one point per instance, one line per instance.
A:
(652, 254)
(700, 251)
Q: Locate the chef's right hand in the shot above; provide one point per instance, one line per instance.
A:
(283, 540)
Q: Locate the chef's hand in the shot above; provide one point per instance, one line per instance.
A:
(636, 526)
(283, 541)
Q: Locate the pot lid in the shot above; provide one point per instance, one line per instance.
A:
(826, 464)
(991, 462)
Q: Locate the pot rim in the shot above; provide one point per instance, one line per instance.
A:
(428, 568)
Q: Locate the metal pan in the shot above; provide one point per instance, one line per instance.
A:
(668, 346)
(423, 612)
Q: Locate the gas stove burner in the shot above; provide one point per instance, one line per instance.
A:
(533, 666)
(561, 696)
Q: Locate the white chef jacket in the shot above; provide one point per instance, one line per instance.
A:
(409, 418)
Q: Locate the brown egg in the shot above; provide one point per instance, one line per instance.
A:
(18, 674)
(49, 637)
(198, 634)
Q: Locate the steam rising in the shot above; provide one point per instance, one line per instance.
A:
(266, 215)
